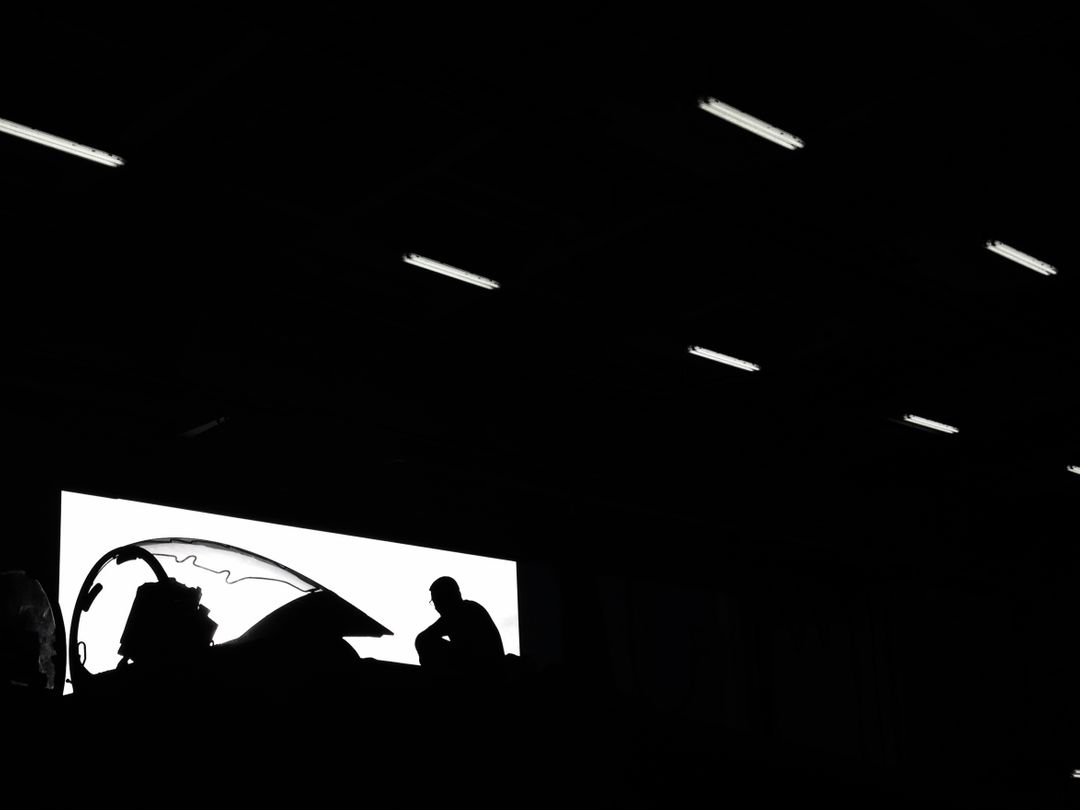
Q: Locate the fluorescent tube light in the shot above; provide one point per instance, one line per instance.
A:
(201, 429)
(723, 358)
(1073, 469)
(1015, 255)
(63, 144)
(453, 272)
(930, 423)
(748, 122)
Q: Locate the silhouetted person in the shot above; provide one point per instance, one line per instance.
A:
(474, 647)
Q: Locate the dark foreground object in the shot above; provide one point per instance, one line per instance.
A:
(397, 736)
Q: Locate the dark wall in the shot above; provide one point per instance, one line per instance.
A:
(31, 543)
(936, 661)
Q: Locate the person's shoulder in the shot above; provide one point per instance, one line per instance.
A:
(475, 607)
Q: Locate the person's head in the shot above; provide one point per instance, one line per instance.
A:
(445, 594)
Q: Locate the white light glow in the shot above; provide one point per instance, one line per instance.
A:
(1076, 774)
(930, 423)
(1015, 255)
(448, 270)
(63, 144)
(388, 581)
(748, 122)
(1073, 469)
(724, 358)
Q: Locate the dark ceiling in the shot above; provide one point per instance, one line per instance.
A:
(246, 261)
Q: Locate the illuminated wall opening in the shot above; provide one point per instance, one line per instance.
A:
(388, 581)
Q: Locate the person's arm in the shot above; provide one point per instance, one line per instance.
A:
(436, 630)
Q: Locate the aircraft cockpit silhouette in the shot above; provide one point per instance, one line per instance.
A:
(210, 618)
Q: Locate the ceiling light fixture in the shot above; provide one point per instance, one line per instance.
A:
(1015, 255)
(708, 354)
(930, 423)
(1073, 469)
(201, 429)
(448, 270)
(748, 122)
(63, 144)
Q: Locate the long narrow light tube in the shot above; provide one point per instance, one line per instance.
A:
(748, 122)
(63, 144)
(201, 429)
(1015, 255)
(448, 270)
(930, 423)
(724, 358)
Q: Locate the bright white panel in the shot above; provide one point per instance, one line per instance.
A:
(388, 581)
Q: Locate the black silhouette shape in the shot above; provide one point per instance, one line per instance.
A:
(297, 649)
(464, 640)
(30, 653)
